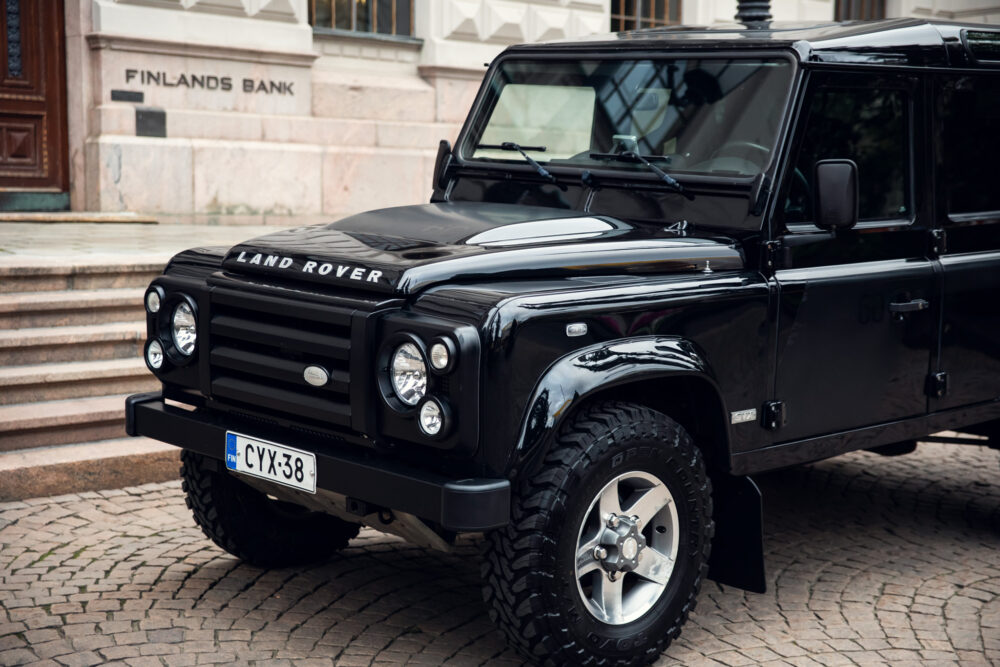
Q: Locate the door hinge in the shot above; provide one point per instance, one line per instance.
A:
(939, 241)
(773, 415)
(937, 384)
(771, 249)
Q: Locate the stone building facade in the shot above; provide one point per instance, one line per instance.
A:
(240, 111)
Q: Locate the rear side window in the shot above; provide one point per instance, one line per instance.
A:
(867, 125)
(969, 111)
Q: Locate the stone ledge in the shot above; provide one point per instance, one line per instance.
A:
(109, 464)
(167, 48)
(79, 216)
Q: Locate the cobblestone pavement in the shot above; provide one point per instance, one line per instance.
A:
(871, 561)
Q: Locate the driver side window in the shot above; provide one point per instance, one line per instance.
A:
(866, 125)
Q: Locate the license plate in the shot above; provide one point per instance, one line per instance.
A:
(271, 461)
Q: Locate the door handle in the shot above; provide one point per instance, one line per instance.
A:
(908, 306)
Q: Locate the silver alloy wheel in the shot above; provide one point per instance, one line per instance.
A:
(626, 548)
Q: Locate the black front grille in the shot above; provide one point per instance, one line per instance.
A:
(261, 345)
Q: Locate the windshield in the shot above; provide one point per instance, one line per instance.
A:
(708, 116)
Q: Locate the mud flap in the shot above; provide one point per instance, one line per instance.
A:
(738, 547)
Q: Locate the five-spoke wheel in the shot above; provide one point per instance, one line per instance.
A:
(627, 547)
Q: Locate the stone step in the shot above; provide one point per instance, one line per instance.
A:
(37, 275)
(119, 340)
(78, 379)
(71, 308)
(80, 467)
(29, 425)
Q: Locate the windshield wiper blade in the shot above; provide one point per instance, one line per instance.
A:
(631, 156)
(511, 146)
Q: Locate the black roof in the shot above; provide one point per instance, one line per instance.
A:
(904, 41)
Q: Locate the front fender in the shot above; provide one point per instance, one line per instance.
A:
(582, 373)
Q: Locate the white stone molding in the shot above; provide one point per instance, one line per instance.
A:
(222, 23)
(987, 11)
(98, 42)
(466, 33)
(295, 11)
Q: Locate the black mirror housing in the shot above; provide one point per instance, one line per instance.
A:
(836, 196)
(441, 164)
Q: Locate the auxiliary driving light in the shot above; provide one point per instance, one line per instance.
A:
(153, 302)
(440, 357)
(154, 354)
(183, 328)
(431, 418)
(409, 373)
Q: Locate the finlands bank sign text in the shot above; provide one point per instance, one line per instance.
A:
(225, 84)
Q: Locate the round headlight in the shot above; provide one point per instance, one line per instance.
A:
(431, 418)
(440, 357)
(153, 302)
(154, 354)
(409, 373)
(183, 328)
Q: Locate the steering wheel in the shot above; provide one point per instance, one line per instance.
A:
(800, 182)
(741, 151)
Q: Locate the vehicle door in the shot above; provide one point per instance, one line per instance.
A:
(856, 307)
(967, 132)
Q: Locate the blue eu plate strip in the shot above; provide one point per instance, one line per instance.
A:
(231, 451)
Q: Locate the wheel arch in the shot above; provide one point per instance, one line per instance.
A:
(667, 374)
(672, 376)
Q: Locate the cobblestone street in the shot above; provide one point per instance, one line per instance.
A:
(870, 560)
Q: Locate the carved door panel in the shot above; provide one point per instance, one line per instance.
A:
(33, 153)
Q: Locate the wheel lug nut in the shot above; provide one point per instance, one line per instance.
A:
(600, 553)
(613, 521)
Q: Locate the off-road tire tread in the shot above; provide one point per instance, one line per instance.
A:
(202, 484)
(511, 556)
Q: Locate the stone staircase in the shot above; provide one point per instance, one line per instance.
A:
(71, 339)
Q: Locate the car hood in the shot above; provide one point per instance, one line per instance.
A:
(408, 248)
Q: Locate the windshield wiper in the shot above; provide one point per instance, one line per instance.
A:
(511, 146)
(631, 156)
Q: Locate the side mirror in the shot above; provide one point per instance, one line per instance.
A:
(836, 194)
(441, 164)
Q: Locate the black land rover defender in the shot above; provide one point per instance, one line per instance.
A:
(655, 263)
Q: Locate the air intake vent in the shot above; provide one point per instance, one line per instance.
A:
(984, 45)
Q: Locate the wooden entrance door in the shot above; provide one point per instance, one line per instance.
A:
(33, 152)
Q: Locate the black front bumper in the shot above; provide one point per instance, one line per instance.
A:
(462, 505)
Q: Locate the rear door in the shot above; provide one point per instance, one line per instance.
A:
(967, 123)
(857, 308)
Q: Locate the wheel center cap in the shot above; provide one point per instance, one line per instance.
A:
(629, 548)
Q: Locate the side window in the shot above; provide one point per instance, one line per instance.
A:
(868, 126)
(969, 109)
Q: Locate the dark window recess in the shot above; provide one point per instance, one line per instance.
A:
(969, 108)
(15, 62)
(385, 17)
(864, 10)
(635, 14)
(868, 126)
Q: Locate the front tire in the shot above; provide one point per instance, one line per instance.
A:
(569, 584)
(254, 528)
